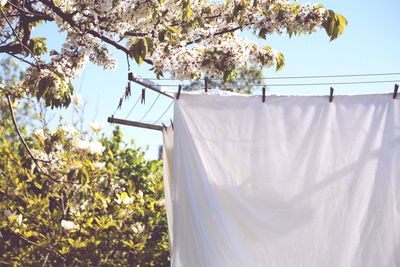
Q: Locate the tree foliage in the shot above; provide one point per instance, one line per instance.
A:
(185, 38)
(249, 77)
(77, 200)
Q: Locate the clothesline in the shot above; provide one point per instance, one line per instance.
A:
(290, 77)
(306, 84)
(157, 88)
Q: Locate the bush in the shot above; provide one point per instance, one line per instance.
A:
(79, 201)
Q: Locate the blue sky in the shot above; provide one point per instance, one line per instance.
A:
(370, 44)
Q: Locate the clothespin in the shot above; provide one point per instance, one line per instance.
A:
(206, 84)
(128, 90)
(120, 103)
(263, 94)
(164, 126)
(143, 100)
(130, 76)
(396, 89)
(172, 124)
(331, 95)
(179, 91)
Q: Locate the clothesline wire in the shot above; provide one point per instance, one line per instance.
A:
(151, 107)
(275, 85)
(162, 115)
(130, 111)
(294, 77)
(306, 84)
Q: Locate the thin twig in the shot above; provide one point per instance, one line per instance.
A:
(37, 244)
(21, 138)
(35, 160)
(67, 17)
(23, 60)
(28, 12)
(23, 46)
(45, 260)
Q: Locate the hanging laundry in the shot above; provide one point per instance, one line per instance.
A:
(295, 181)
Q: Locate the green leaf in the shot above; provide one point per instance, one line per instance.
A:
(38, 46)
(128, 243)
(161, 36)
(229, 74)
(139, 50)
(71, 241)
(263, 33)
(280, 62)
(39, 186)
(64, 250)
(149, 44)
(173, 29)
(334, 25)
(187, 10)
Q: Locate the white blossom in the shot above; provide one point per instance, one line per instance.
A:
(84, 205)
(69, 225)
(161, 203)
(127, 201)
(140, 194)
(82, 145)
(95, 147)
(124, 199)
(96, 126)
(77, 99)
(39, 133)
(99, 165)
(138, 228)
(92, 147)
(68, 131)
(186, 39)
(19, 219)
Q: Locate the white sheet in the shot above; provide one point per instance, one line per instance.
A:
(295, 181)
(168, 160)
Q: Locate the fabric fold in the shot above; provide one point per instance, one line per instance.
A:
(295, 181)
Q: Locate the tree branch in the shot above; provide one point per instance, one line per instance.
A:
(35, 16)
(21, 138)
(11, 48)
(69, 19)
(24, 46)
(14, 32)
(23, 60)
(35, 160)
(216, 34)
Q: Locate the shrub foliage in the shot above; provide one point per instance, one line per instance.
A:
(79, 202)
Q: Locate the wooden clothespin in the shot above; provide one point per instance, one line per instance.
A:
(206, 84)
(179, 91)
(128, 91)
(331, 95)
(263, 94)
(120, 103)
(143, 100)
(396, 89)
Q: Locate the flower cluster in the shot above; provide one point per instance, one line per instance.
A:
(183, 38)
(92, 147)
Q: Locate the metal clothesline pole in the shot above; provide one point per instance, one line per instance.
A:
(135, 124)
(139, 81)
